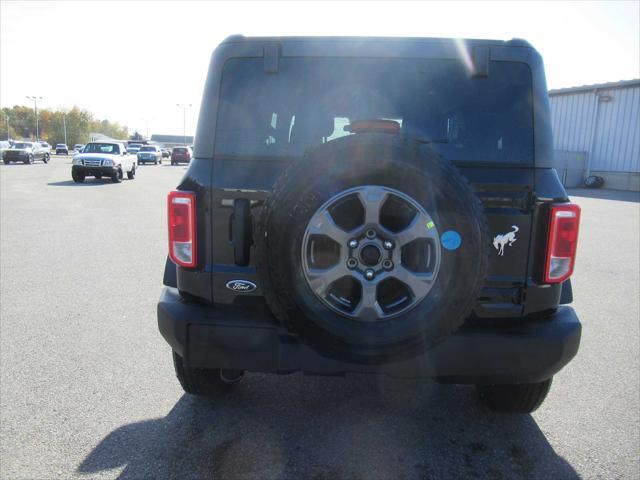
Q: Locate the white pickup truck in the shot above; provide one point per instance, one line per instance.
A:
(109, 159)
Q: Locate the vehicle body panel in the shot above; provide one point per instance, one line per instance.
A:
(61, 148)
(512, 194)
(149, 154)
(22, 151)
(181, 154)
(95, 162)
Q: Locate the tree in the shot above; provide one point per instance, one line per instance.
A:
(79, 122)
(136, 136)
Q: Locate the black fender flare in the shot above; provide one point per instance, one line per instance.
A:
(170, 278)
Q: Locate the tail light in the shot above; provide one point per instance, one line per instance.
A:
(182, 228)
(564, 222)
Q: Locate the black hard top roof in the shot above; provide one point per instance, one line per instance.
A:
(515, 42)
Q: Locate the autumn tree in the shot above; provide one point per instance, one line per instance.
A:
(79, 124)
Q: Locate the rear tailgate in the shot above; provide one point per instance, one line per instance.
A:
(507, 196)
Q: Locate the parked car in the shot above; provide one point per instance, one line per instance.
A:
(77, 148)
(62, 149)
(181, 154)
(46, 147)
(166, 153)
(409, 223)
(150, 154)
(25, 152)
(104, 159)
(134, 148)
(4, 145)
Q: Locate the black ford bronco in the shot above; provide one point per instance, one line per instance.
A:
(373, 205)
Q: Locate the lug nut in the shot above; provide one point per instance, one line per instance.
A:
(369, 274)
(353, 243)
(387, 244)
(371, 233)
(387, 264)
(352, 263)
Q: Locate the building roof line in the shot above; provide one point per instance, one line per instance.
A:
(596, 86)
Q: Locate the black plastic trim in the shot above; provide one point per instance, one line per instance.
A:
(566, 294)
(211, 337)
(170, 278)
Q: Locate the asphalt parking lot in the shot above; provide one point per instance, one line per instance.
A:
(87, 388)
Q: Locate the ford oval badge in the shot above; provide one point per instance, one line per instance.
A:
(241, 286)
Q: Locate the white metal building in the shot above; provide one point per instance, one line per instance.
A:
(596, 131)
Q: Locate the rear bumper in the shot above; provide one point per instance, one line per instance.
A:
(212, 337)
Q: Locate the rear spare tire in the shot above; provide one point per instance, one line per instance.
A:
(372, 248)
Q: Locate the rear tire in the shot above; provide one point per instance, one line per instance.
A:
(520, 398)
(45, 159)
(204, 382)
(594, 181)
(77, 177)
(132, 174)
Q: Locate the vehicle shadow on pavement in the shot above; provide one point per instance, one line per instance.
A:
(324, 428)
(87, 183)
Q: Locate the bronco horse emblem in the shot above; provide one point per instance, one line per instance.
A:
(505, 239)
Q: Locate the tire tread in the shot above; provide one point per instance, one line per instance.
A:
(519, 398)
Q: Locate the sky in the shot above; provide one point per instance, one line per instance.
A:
(132, 62)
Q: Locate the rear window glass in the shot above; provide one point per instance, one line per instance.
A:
(148, 149)
(180, 150)
(311, 101)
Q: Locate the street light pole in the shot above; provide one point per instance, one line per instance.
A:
(35, 102)
(184, 120)
(64, 125)
(146, 122)
(8, 133)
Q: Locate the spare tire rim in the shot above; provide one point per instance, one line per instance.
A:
(371, 253)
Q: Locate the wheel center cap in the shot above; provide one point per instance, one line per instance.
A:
(370, 255)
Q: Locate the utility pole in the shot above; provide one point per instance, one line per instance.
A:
(184, 107)
(35, 102)
(64, 125)
(146, 123)
(8, 134)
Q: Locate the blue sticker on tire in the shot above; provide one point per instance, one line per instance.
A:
(450, 240)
